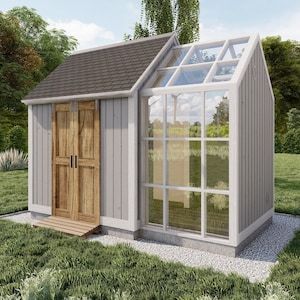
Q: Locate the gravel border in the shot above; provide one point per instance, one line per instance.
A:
(254, 262)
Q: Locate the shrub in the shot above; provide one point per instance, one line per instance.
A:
(275, 291)
(16, 138)
(293, 121)
(291, 143)
(278, 143)
(13, 160)
(2, 141)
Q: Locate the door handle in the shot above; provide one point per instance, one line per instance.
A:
(76, 161)
(71, 161)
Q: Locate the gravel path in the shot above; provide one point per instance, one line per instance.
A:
(255, 262)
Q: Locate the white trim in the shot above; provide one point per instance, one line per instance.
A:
(46, 210)
(80, 97)
(153, 65)
(30, 156)
(115, 223)
(140, 40)
(190, 235)
(254, 226)
(203, 168)
(133, 161)
(190, 88)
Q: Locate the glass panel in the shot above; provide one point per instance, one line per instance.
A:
(202, 55)
(235, 50)
(217, 154)
(191, 76)
(155, 162)
(178, 55)
(162, 78)
(184, 210)
(155, 205)
(217, 114)
(183, 115)
(155, 116)
(218, 214)
(184, 163)
(224, 72)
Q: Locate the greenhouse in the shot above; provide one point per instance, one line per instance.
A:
(175, 142)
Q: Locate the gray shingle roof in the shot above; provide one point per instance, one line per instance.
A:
(109, 69)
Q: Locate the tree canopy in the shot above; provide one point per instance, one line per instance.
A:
(29, 51)
(162, 16)
(283, 60)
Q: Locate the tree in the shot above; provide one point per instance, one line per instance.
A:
(283, 60)
(16, 139)
(162, 16)
(293, 117)
(29, 51)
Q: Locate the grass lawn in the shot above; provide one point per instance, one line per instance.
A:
(13, 191)
(92, 270)
(287, 183)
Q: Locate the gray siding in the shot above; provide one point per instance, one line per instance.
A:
(114, 158)
(255, 143)
(41, 154)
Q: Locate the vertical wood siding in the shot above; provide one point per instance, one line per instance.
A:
(114, 158)
(255, 143)
(41, 148)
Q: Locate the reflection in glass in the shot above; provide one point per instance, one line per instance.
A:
(178, 55)
(224, 72)
(202, 55)
(184, 163)
(155, 205)
(184, 210)
(216, 114)
(235, 50)
(162, 78)
(155, 162)
(217, 214)
(191, 76)
(217, 159)
(183, 115)
(155, 116)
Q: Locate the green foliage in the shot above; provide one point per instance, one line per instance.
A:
(293, 119)
(165, 16)
(283, 60)
(278, 143)
(287, 183)
(291, 143)
(13, 191)
(16, 139)
(2, 140)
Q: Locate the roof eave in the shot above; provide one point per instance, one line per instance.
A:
(81, 97)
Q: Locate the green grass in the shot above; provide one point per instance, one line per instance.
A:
(13, 191)
(287, 183)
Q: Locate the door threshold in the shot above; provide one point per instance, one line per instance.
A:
(71, 227)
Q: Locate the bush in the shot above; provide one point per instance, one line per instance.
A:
(13, 160)
(278, 143)
(16, 138)
(293, 121)
(2, 141)
(291, 143)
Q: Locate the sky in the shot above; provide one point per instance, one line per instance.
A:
(100, 22)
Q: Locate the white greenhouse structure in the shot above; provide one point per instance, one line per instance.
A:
(185, 142)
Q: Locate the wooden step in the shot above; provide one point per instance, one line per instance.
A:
(68, 226)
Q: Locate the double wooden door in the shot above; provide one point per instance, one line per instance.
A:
(75, 161)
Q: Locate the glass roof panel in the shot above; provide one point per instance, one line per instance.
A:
(191, 76)
(203, 55)
(224, 72)
(177, 56)
(163, 78)
(235, 50)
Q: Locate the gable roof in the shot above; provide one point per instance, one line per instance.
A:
(101, 70)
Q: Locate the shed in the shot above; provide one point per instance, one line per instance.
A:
(150, 138)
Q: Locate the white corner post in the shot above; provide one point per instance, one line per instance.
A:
(233, 165)
(30, 158)
(133, 162)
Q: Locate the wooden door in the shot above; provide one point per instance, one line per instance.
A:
(62, 155)
(76, 170)
(87, 169)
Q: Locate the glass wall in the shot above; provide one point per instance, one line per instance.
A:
(179, 179)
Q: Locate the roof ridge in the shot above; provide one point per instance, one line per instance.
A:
(123, 43)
